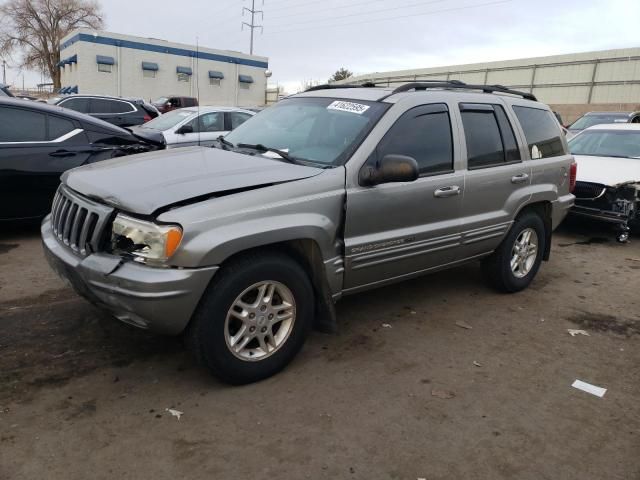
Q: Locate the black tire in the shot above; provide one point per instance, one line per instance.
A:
(205, 335)
(497, 267)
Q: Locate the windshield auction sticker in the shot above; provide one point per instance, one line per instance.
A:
(348, 107)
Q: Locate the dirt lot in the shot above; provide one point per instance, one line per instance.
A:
(82, 396)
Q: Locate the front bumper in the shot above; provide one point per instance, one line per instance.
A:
(609, 216)
(159, 299)
(560, 208)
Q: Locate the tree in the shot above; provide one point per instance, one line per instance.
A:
(34, 28)
(341, 74)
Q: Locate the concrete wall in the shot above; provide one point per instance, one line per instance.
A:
(127, 79)
(608, 77)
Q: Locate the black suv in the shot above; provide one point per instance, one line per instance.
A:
(123, 112)
(38, 142)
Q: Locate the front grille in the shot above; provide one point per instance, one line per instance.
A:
(589, 190)
(78, 222)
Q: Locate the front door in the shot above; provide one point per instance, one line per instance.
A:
(397, 229)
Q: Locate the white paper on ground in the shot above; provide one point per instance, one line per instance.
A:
(587, 387)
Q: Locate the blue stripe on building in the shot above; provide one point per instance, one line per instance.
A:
(148, 47)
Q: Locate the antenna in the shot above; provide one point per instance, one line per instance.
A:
(198, 122)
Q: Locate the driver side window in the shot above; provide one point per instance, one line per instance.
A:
(423, 133)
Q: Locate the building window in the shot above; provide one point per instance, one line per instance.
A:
(214, 81)
(103, 67)
(184, 77)
(149, 73)
(245, 86)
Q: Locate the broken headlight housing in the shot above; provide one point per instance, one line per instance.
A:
(146, 242)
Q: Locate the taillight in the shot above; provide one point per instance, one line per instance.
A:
(573, 172)
(146, 118)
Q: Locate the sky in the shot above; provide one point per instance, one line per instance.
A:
(308, 40)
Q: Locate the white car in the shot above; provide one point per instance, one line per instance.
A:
(192, 126)
(608, 178)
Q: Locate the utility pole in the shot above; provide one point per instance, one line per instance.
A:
(4, 72)
(252, 26)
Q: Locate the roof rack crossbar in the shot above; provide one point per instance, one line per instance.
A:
(456, 84)
(329, 86)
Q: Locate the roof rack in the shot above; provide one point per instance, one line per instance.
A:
(456, 84)
(329, 86)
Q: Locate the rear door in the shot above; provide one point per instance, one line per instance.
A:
(35, 148)
(547, 150)
(398, 229)
(496, 178)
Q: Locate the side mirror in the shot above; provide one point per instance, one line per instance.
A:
(392, 168)
(184, 129)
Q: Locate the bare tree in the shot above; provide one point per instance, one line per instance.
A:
(34, 28)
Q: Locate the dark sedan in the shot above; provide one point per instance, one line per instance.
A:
(38, 142)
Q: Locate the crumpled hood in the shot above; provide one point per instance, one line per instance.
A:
(609, 171)
(147, 182)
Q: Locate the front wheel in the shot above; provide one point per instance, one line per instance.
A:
(514, 264)
(253, 318)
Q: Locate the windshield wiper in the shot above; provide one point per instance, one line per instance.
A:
(261, 148)
(225, 142)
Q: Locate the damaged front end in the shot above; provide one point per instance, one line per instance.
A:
(618, 204)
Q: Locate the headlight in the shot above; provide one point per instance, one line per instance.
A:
(146, 241)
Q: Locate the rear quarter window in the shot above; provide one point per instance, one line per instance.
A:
(542, 132)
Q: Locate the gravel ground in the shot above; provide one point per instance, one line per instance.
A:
(402, 391)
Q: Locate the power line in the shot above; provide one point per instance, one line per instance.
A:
(433, 12)
(370, 12)
(252, 26)
(342, 6)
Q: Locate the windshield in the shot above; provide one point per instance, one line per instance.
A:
(607, 143)
(318, 130)
(160, 101)
(168, 120)
(591, 120)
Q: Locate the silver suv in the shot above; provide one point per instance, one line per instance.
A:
(245, 246)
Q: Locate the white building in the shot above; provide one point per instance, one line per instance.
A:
(96, 62)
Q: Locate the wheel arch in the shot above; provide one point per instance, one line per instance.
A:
(543, 209)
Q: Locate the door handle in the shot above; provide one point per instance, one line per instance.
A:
(62, 153)
(444, 192)
(522, 178)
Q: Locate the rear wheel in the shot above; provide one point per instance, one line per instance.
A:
(514, 264)
(253, 318)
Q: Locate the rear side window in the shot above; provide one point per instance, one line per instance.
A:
(22, 125)
(489, 136)
(103, 105)
(423, 133)
(542, 132)
(238, 118)
(59, 126)
(78, 104)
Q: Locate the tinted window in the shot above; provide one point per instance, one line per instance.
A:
(103, 105)
(542, 132)
(22, 125)
(508, 138)
(78, 104)
(423, 133)
(484, 142)
(238, 118)
(59, 126)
